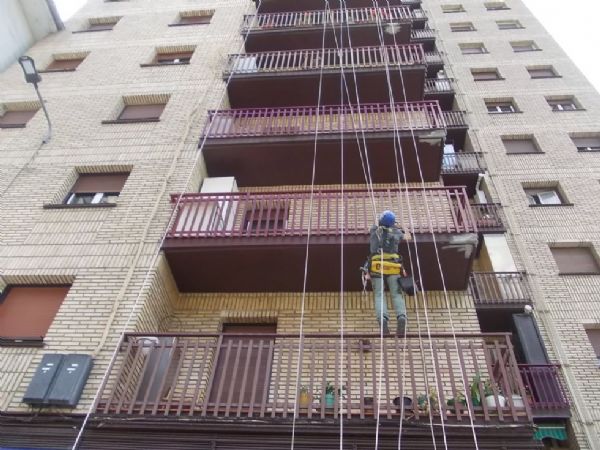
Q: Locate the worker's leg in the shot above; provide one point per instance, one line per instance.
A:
(398, 301)
(381, 311)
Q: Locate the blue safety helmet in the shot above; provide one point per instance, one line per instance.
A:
(387, 219)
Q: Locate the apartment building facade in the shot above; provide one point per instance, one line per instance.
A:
(188, 277)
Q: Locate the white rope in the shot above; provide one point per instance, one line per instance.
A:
(445, 291)
(153, 261)
(308, 236)
(341, 216)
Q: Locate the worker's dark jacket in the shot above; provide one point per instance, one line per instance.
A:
(384, 239)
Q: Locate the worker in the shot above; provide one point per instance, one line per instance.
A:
(385, 264)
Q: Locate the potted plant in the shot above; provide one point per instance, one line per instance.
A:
(304, 399)
(475, 394)
(490, 399)
(426, 401)
(460, 399)
(330, 394)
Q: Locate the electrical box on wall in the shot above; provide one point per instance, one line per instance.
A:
(59, 380)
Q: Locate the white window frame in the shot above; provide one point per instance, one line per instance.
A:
(549, 197)
(499, 109)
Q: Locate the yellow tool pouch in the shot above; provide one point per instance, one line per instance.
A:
(385, 265)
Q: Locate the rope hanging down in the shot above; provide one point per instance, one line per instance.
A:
(156, 255)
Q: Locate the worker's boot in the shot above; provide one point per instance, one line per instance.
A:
(386, 329)
(401, 326)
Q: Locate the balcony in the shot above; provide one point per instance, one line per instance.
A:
(425, 36)
(545, 390)
(264, 236)
(456, 126)
(254, 377)
(488, 217)
(462, 169)
(500, 289)
(274, 6)
(295, 77)
(304, 29)
(440, 90)
(270, 147)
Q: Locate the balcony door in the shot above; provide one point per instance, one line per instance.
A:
(242, 370)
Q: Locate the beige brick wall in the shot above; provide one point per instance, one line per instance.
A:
(563, 303)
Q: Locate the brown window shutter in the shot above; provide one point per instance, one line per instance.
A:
(594, 337)
(592, 142)
(64, 64)
(101, 26)
(169, 57)
(520, 146)
(88, 183)
(575, 260)
(541, 73)
(482, 76)
(195, 20)
(29, 311)
(16, 117)
(139, 112)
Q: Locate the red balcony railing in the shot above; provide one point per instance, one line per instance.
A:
(488, 217)
(259, 214)
(256, 376)
(438, 86)
(544, 386)
(237, 123)
(348, 16)
(425, 33)
(329, 58)
(455, 119)
(499, 288)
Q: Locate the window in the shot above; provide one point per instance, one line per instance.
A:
(587, 144)
(472, 48)
(28, 312)
(462, 26)
(495, 6)
(17, 118)
(455, 8)
(64, 64)
(524, 46)
(593, 335)
(485, 74)
(96, 188)
(523, 146)
(500, 106)
(542, 72)
(575, 260)
(197, 17)
(509, 24)
(267, 217)
(544, 195)
(141, 108)
(563, 103)
(172, 56)
(100, 24)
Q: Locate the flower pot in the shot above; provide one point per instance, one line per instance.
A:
(490, 401)
(329, 400)
(304, 399)
(518, 401)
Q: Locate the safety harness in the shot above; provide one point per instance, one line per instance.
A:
(382, 263)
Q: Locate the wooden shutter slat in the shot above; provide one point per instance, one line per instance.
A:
(29, 311)
(520, 146)
(575, 260)
(91, 183)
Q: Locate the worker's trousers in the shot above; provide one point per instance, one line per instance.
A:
(381, 309)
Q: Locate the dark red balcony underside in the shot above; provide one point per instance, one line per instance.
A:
(290, 38)
(273, 161)
(466, 179)
(268, 6)
(297, 88)
(276, 264)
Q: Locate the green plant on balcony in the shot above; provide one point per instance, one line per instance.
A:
(426, 401)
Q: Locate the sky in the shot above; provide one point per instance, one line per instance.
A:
(572, 23)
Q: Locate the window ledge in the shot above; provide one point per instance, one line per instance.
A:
(490, 79)
(56, 70)
(116, 121)
(21, 342)
(588, 151)
(500, 113)
(526, 51)
(577, 273)
(547, 76)
(567, 110)
(90, 205)
(463, 31)
(14, 125)
(164, 64)
(526, 153)
(89, 31)
(186, 24)
(549, 206)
